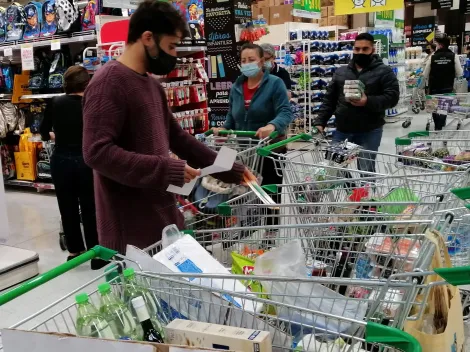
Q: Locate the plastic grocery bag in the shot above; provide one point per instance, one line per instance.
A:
(289, 261)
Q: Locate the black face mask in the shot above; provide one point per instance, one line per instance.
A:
(362, 60)
(162, 64)
(427, 51)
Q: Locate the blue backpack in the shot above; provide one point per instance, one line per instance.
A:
(49, 19)
(33, 11)
(2, 24)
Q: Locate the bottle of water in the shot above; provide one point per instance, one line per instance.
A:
(133, 290)
(118, 315)
(90, 323)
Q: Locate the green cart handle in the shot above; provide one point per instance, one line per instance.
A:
(266, 151)
(407, 140)
(251, 134)
(378, 333)
(95, 252)
(463, 193)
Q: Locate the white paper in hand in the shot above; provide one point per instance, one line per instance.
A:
(223, 162)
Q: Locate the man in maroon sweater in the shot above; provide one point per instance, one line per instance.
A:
(129, 132)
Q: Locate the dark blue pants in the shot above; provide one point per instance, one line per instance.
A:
(367, 140)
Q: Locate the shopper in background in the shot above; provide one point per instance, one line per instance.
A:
(442, 69)
(360, 121)
(73, 179)
(430, 49)
(276, 70)
(129, 132)
(258, 102)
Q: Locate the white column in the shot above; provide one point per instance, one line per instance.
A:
(3, 213)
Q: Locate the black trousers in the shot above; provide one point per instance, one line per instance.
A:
(270, 177)
(73, 182)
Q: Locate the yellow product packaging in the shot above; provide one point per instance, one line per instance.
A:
(25, 163)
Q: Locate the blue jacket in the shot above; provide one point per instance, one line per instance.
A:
(270, 105)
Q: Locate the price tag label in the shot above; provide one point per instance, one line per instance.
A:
(80, 38)
(27, 57)
(8, 52)
(55, 44)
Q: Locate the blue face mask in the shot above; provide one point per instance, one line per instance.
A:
(268, 65)
(250, 69)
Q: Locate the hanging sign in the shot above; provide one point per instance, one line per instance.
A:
(422, 31)
(307, 8)
(465, 6)
(385, 19)
(27, 57)
(441, 4)
(350, 7)
(55, 44)
(399, 23)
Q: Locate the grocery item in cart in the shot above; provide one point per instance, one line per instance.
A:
(353, 90)
(150, 333)
(118, 315)
(90, 322)
(289, 261)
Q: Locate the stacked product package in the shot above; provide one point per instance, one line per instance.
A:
(353, 89)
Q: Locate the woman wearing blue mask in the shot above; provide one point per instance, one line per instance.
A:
(258, 102)
(276, 70)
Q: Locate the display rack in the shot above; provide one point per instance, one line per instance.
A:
(312, 64)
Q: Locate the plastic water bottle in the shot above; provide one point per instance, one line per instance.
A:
(170, 234)
(90, 322)
(118, 315)
(133, 290)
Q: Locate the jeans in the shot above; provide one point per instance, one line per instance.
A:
(367, 140)
(73, 182)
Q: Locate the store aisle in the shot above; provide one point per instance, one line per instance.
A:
(34, 224)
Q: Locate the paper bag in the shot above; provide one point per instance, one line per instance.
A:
(452, 339)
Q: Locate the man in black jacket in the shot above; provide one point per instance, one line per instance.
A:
(360, 121)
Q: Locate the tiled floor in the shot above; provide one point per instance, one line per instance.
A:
(34, 224)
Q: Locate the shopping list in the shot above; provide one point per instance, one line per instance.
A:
(223, 162)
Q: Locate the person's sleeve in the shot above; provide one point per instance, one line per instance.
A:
(197, 154)
(229, 121)
(47, 121)
(286, 79)
(328, 106)
(427, 69)
(458, 67)
(104, 115)
(282, 107)
(390, 96)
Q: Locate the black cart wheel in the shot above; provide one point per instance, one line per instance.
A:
(428, 126)
(422, 107)
(406, 124)
(459, 125)
(62, 243)
(415, 109)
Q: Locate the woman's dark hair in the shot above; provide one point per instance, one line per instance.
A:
(76, 79)
(158, 17)
(433, 46)
(254, 47)
(444, 41)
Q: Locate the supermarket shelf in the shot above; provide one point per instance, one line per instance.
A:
(40, 96)
(189, 50)
(40, 186)
(43, 42)
(397, 65)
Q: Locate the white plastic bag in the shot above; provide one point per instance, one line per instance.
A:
(289, 260)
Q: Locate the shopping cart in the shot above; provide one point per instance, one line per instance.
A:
(415, 84)
(218, 303)
(318, 161)
(446, 109)
(451, 147)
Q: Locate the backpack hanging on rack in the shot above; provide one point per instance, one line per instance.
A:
(38, 78)
(33, 11)
(88, 18)
(56, 73)
(49, 19)
(7, 74)
(15, 20)
(2, 24)
(68, 16)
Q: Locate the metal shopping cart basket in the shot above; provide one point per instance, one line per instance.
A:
(446, 109)
(451, 147)
(318, 161)
(214, 299)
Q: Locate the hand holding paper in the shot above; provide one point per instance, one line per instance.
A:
(223, 162)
